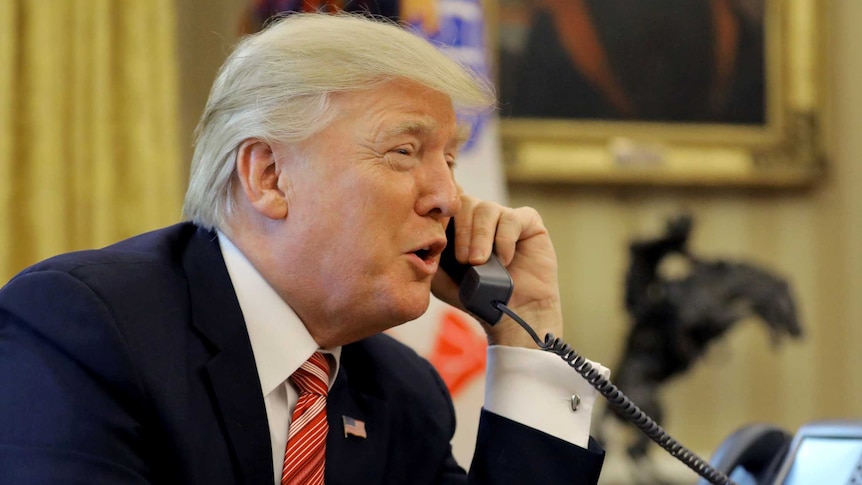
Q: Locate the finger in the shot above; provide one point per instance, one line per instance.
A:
(485, 218)
(463, 227)
(516, 227)
(509, 229)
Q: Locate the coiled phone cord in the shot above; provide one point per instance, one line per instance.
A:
(620, 402)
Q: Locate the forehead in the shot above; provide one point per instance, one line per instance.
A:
(399, 108)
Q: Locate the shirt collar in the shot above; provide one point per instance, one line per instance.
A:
(279, 339)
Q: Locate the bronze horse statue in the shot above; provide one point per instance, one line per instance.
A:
(676, 319)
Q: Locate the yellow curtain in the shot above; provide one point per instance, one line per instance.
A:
(88, 125)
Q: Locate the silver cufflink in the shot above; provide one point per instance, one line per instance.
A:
(575, 401)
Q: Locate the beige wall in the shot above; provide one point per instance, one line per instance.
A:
(812, 237)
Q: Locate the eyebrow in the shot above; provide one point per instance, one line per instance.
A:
(412, 127)
(422, 127)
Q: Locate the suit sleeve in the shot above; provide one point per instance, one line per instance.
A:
(508, 452)
(70, 401)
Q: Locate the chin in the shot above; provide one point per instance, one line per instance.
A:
(412, 309)
(400, 302)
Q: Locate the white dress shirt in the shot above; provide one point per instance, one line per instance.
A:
(531, 387)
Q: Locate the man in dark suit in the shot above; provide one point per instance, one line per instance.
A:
(321, 186)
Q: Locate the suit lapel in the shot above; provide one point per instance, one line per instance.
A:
(231, 372)
(352, 459)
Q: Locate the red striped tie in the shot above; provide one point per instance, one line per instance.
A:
(306, 439)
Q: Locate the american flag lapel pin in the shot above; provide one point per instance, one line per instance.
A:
(353, 427)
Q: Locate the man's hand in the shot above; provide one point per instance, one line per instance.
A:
(521, 242)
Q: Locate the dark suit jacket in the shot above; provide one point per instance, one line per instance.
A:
(132, 364)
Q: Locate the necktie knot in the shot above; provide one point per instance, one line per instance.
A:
(312, 376)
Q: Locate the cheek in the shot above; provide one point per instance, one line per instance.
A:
(381, 201)
(359, 215)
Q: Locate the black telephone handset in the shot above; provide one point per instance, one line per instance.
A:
(480, 287)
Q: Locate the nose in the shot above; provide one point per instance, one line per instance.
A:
(439, 195)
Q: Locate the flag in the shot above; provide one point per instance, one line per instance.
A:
(259, 11)
(459, 350)
(353, 427)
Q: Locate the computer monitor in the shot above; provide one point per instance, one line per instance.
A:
(826, 452)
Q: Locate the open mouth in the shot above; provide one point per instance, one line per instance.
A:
(431, 253)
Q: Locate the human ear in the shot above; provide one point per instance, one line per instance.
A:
(258, 174)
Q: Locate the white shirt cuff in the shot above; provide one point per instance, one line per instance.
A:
(535, 388)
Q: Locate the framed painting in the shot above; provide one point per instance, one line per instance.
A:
(661, 92)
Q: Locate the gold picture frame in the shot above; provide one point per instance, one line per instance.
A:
(783, 151)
